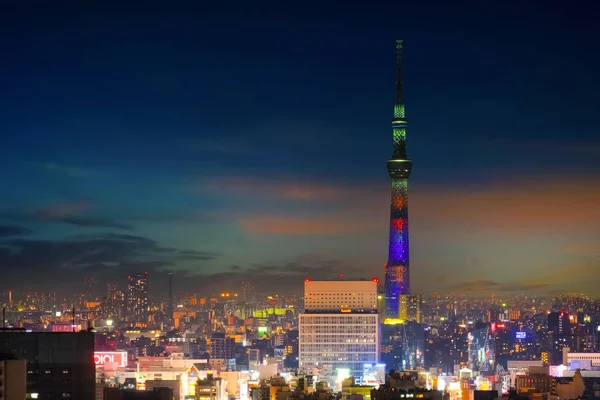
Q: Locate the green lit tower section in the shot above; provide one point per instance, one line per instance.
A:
(399, 167)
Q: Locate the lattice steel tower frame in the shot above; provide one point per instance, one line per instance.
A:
(399, 167)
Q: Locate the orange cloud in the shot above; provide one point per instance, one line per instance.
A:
(566, 275)
(277, 189)
(296, 226)
(62, 210)
(528, 205)
(537, 204)
(581, 248)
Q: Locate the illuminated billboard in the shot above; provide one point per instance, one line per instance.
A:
(103, 357)
(521, 335)
(65, 328)
(262, 330)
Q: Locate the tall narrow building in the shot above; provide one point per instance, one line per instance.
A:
(170, 306)
(399, 167)
(137, 299)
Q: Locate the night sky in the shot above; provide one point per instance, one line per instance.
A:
(250, 140)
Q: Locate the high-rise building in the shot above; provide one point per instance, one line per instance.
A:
(481, 353)
(248, 292)
(221, 346)
(413, 345)
(559, 330)
(391, 346)
(59, 365)
(559, 323)
(399, 167)
(115, 301)
(410, 307)
(170, 306)
(137, 299)
(88, 286)
(339, 330)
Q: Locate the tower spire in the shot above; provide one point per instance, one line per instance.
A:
(399, 121)
(399, 94)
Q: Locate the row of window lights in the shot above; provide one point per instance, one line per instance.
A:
(49, 371)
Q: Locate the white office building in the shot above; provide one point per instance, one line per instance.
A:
(339, 330)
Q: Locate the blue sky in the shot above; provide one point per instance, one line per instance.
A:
(250, 141)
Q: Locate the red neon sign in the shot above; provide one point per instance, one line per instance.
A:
(103, 357)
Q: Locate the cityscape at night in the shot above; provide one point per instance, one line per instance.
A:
(208, 202)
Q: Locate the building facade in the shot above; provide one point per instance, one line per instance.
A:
(59, 365)
(339, 330)
(221, 346)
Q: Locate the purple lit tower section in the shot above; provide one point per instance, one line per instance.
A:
(399, 167)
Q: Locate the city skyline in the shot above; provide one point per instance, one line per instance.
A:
(158, 145)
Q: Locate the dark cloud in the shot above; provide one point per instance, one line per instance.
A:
(284, 277)
(71, 171)
(195, 255)
(487, 286)
(11, 230)
(108, 256)
(68, 213)
(94, 222)
(216, 145)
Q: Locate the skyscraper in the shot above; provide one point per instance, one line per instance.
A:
(170, 310)
(88, 287)
(339, 329)
(399, 167)
(137, 299)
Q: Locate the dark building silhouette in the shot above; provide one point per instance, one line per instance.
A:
(160, 393)
(559, 323)
(391, 350)
(559, 330)
(413, 345)
(59, 365)
(485, 395)
(170, 306)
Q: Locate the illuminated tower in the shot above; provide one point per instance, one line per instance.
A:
(397, 268)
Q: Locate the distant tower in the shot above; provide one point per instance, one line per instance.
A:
(399, 167)
(137, 299)
(248, 292)
(170, 316)
(88, 287)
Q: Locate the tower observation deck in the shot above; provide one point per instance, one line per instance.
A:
(399, 167)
